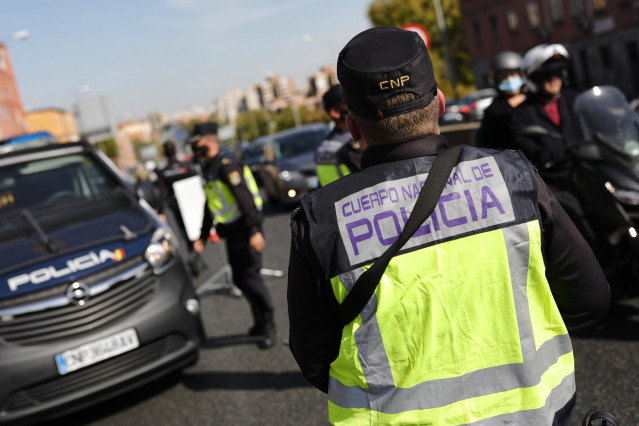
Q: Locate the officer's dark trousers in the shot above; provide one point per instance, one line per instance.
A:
(245, 265)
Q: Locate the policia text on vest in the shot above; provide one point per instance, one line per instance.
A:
(372, 219)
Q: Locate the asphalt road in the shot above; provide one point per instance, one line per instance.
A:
(235, 383)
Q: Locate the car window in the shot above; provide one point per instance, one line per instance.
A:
(37, 182)
(299, 143)
(253, 151)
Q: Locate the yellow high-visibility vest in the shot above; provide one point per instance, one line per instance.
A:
(462, 327)
(222, 202)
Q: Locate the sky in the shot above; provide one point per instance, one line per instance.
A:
(169, 55)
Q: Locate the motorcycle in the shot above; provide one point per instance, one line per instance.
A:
(597, 183)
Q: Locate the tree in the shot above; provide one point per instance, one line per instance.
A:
(109, 147)
(398, 13)
(252, 124)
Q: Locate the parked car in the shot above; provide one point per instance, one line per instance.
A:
(288, 170)
(252, 154)
(454, 113)
(94, 298)
(477, 102)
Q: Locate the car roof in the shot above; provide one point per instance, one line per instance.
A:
(300, 129)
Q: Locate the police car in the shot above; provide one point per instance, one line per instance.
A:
(93, 297)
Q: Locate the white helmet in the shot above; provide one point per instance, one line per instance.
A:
(544, 60)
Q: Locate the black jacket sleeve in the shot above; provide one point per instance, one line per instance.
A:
(576, 280)
(315, 332)
(541, 150)
(207, 223)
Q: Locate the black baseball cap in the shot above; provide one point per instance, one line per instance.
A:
(332, 97)
(381, 62)
(203, 129)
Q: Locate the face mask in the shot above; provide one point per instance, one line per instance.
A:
(512, 84)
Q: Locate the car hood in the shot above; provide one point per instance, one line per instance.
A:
(81, 248)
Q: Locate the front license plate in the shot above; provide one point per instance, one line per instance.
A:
(90, 353)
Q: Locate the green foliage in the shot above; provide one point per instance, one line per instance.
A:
(109, 147)
(252, 124)
(138, 145)
(398, 13)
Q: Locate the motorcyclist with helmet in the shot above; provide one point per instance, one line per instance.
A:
(548, 104)
(505, 76)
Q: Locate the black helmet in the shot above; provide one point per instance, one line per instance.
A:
(332, 97)
(503, 62)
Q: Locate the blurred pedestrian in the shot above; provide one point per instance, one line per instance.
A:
(173, 171)
(505, 76)
(338, 155)
(234, 204)
(467, 323)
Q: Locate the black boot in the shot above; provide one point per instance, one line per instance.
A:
(268, 331)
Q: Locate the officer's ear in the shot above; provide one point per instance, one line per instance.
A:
(442, 102)
(335, 114)
(352, 127)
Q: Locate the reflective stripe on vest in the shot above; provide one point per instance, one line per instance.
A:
(516, 364)
(462, 328)
(327, 173)
(222, 202)
(327, 165)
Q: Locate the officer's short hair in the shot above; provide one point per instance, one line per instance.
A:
(399, 128)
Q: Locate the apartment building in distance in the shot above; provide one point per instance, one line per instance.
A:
(322, 80)
(602, 36)
(58, 122)
(12, 119)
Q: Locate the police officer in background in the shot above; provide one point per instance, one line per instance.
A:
(234, 203)
(505, 76)
(339, 155)
(175, 170)
(468, 323)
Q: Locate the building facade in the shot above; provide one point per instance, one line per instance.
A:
(322, 80)
(602, 36)
(12, 119)
(58, 122)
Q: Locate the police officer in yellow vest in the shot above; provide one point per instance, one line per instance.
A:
(339, 154)
(234, 204)
(468, 324)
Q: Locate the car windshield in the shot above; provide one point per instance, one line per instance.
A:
(299, 143)
(33, 183)
(253, 151)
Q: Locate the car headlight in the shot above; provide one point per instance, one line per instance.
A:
(626, 196)
(287, 175)
(160, 250)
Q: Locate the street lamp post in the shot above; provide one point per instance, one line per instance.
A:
(21, 35)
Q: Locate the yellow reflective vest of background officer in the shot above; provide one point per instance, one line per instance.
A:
(222, 202)
(462, 328)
